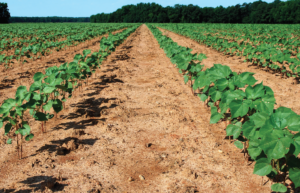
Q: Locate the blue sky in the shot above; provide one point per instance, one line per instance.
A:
(86, 8)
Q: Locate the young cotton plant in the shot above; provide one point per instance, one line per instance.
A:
(271, 137)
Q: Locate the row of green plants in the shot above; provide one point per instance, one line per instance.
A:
(39, 42)
(281, 36)
(268, 136)
(274, 54)
(50, 90)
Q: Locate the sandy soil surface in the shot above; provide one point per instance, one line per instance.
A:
(21, 74)
(287, 92)
(135, 128)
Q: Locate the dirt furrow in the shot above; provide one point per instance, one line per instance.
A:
(286, 91)
(135, 128)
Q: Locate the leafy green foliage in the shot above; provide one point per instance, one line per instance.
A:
(269, 135)
(48, 92)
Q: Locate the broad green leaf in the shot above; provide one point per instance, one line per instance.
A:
(57, 105)
(222, 84)
(239, 108)
(215, 116)
(275, 147)
(40, 116)
(255, 92)
(294, 170)
(7, 128)
(186, 78)
(35, 86)
(48, 89)
(7, 106)
(239, 144)
(215, 94)
(278, 187)
(25, 130)
(48, 105)
(21, 94)
(262, 167)
(259, 119)
(203, 97)
(234, 130)
(38, 76)
(294, 122)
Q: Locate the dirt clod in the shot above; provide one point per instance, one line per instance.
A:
(141, 177)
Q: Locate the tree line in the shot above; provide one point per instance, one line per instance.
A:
(4, 13)
(287, 12)
(48, 19)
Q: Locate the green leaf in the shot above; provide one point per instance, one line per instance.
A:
(278, 187)
(86, 52)
(239, 144)
(38, 76)
(186, 78)
(21, 94)
(7, 106)
(25, 130)
(259, 119)
(29, 137)
(215, 94)
(275, 147)
(262, 167)
(48, 105)
(222, 84)
(35, 86)
(239, 108)
(9, 141)
(255, 92)
(7, 128)
(234, 130)
(40, 116)
(215, 116)
(294, 171)
(203, 97)
(246, 78)
(201, 57)
(57, 105)
(48, 89)
(294, 122)
(296, 143)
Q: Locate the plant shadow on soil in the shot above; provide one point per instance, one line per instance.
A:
(38, 183)
(7, 83)
(57, 143)
(42, 182)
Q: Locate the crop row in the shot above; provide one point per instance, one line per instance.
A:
(268, 136)
(40, 44)
(51, 89)
(274, 55)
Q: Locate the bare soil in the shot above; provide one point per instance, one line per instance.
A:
(135, 128)
(286, 90)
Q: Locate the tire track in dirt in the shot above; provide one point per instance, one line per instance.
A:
(135, 128)
(22, 74)
(286, 92)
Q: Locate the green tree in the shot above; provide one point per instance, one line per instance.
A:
(4, 13)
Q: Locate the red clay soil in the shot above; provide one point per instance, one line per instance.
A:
(22, 74)
(135, 128)
(286, 91)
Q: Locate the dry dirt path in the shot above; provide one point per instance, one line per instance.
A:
(286, 92)
(22, 74)
(136, 128)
